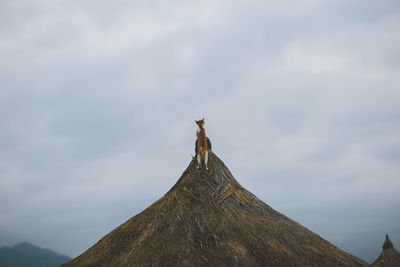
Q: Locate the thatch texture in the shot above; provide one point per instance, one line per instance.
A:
(209, 219)
(389, 256)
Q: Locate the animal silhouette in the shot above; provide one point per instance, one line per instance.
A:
(201, 144)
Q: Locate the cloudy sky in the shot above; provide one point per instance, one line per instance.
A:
(98, 101)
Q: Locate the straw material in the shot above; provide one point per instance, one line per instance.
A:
(389, 256)
(209, 219)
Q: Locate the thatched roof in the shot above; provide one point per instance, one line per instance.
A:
(209, 219)
(389, 256)
(388, 243)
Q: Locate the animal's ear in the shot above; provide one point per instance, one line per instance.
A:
(202, 120)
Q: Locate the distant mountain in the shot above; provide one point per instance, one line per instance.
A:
(28, 255)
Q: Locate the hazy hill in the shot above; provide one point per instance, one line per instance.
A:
(209, 219)
(28, 255)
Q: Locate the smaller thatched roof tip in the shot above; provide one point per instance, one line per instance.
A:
(387, 244)
(389, 256)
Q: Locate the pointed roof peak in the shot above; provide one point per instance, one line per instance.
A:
(208, 219)
(389, 256)
(387, 244)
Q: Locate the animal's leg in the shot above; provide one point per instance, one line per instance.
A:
(206, 160)
(198, 161)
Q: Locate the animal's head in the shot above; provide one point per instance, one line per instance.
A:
(200, 122)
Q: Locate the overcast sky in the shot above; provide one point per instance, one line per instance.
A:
(98, 101)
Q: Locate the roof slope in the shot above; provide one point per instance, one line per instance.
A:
(208, 219)
(389, 256)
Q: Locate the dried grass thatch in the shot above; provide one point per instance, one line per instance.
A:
(389, 256)
(209, 219)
